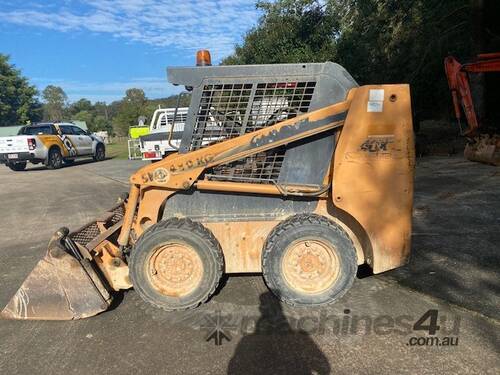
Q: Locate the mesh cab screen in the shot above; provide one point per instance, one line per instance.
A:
(230, 110)
(221, 113)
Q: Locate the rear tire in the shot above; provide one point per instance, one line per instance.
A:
(17, 166)
(100, 152)
(176, 264)
(309, 260)
(55, 160)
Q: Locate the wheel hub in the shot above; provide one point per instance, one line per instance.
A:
(175, 269)
(310, 266)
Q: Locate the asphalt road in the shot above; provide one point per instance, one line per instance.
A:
(454, 269)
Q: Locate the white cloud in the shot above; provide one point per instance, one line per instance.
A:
(183, 25)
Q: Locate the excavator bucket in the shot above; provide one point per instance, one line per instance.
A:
(484, 148)
(71, 281)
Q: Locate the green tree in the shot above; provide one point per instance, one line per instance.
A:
(86, 116)
(102, 109)
(289, 31)
(81, 105)
(377, 41)
(95, 115)
(130, 108)
(394, 41)
(55, 103)
(135, 96)
(18, 102)
(101, 123)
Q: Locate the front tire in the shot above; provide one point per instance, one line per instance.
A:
(309, 260)
(176, 264)
(100, 152)
(17, 166)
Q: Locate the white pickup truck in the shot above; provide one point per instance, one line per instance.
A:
(155, 145)
(50, 143)
(159, 142)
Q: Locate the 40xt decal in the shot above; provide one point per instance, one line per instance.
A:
(377, 143)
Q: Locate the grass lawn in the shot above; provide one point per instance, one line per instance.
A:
(117, 150)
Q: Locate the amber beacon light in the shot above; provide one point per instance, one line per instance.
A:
(203, 58)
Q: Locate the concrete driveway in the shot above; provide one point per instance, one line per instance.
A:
(454, 270)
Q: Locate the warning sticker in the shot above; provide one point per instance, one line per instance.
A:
(375, 106)
(375, 101)
(376, 95)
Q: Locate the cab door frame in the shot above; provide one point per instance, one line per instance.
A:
(69, 139)
(84, 141)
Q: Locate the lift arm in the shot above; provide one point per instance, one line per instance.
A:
(180, 171)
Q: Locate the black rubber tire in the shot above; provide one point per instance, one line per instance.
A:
(17, 166)
(100, 152)
(55, 160)
(193, 234)
(292, 229)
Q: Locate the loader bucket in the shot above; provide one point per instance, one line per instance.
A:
(62, 286)
(68, 283)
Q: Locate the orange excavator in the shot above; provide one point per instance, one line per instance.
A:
(481, 146)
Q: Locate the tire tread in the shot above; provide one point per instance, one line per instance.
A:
(193, 227)
(288, 224)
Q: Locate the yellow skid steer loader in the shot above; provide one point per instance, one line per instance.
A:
(291, 170)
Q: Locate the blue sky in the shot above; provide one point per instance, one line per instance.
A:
(98, 48)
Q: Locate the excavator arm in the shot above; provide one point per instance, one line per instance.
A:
(484, 148)
(458, 81)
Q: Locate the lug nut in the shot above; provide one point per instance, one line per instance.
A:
(116, 262)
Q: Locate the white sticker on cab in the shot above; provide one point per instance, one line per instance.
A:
(375, 106)
(375, 101)
(376, 95)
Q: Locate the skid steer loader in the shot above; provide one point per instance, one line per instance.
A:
(291, 170)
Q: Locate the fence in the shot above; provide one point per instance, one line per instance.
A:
(134, 150)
